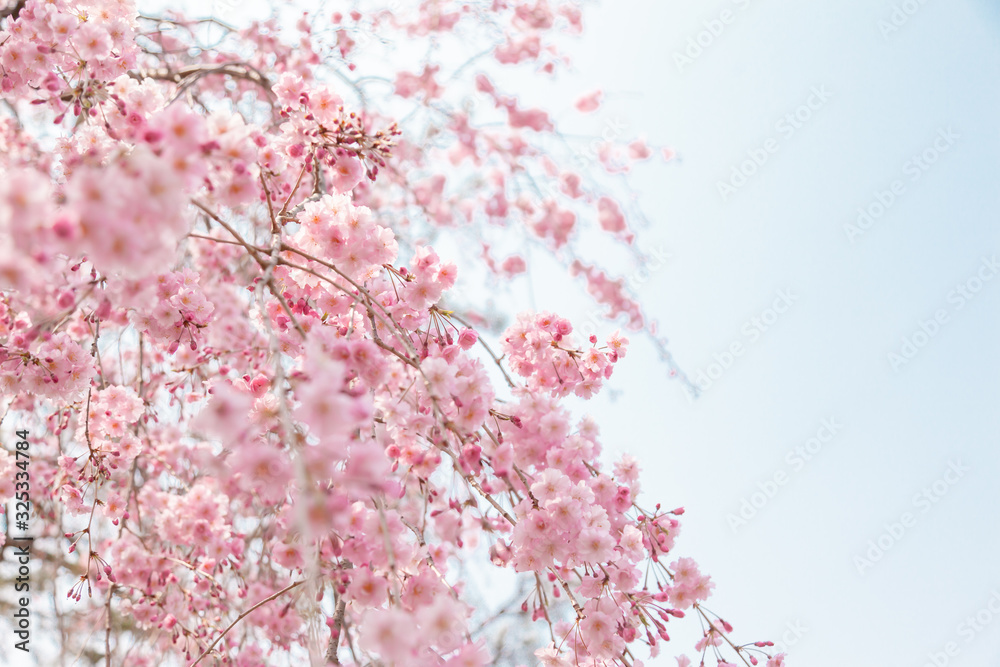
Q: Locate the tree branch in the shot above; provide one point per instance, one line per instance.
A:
(338, 627)
(244, 615)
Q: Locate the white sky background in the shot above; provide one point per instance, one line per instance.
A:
(826, 357)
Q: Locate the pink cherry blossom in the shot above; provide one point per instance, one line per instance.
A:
(589, 102)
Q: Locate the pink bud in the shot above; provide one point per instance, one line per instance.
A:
(259, 385)
(467, 338)
(104, 310)
(500, 554)
(63, 229)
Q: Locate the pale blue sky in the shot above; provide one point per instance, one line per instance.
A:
(826, 356)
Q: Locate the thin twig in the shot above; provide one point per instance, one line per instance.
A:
(244, 615)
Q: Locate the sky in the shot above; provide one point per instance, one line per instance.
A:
(831, 221)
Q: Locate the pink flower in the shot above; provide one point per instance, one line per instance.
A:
(682, 596)
(421, 589)
(225, 415)
(347, 173)
(114, 507)
(550, 657)
(183, 129)
(639, 150)
(92, 42)
(618, 344)
(513, 52)
(407, 84)
(551, 485)
(470, 655)
(263, 469)
(324, 408)
(590, 102)
(288, 88)
(467, 338)
(536, 119)
(390, 633)
(597, 630)
(570, 184)
(609, 215)
(366, 588)
(442, 623)
(288, 555)
(514, 265)
(595, 546)
(73, 499)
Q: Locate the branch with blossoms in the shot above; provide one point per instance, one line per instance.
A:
(275, 436)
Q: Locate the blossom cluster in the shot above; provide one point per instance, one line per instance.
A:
(336, 230)
(55, 47)
(180, 309)
(609, 292)
(542, 350)
(42, 363)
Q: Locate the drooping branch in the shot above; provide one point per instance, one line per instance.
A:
(244, 615)
(185, 77)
